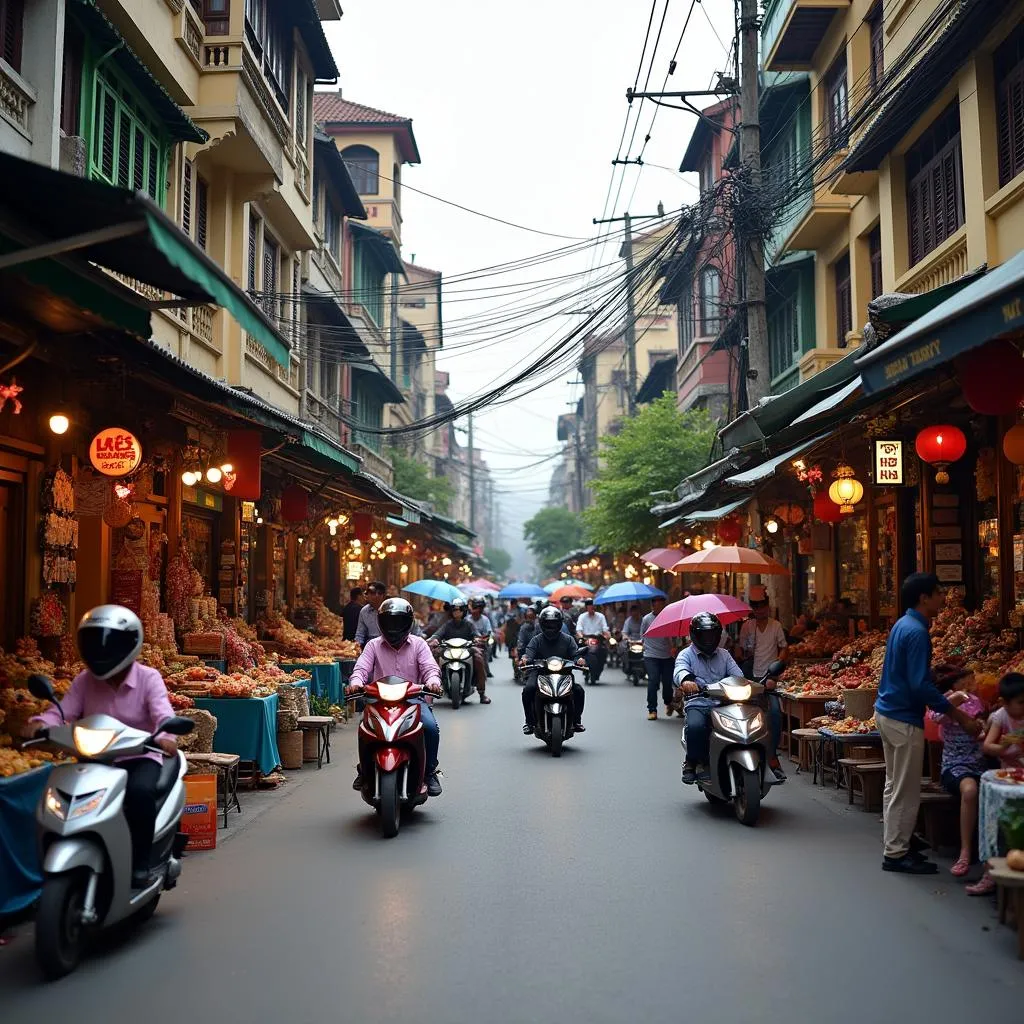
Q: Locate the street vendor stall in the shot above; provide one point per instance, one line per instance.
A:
(21, 876)
(247, 727)
(325, 677)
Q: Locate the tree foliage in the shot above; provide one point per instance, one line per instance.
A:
(654, 451)
(499, 560)
(415, 480)
(552, 532)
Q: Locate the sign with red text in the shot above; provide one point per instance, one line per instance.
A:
(889, 463)
(115, 452)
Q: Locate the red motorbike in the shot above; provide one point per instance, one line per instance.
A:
(392, 755)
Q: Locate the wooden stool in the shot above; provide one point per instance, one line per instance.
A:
(322, 725)
(867, 778)
(226, 767)
(935, 817)
(808, 750)
(1010, 895)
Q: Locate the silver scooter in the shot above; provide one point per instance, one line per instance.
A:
(740, 740)
(84, 840)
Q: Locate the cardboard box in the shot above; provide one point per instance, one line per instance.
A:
(199, 819)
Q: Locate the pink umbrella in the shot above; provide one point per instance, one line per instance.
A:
(663, 558)
(482, 584)
(674, 619)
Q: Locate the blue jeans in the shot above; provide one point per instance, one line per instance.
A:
(774, 722)
(431, 734)
(659, 670)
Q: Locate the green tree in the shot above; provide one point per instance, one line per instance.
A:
(415, 480)
(552, 532)
(499, 560)
(654, 451)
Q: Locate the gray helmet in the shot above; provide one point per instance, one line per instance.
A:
(458, 605)
(109, 639)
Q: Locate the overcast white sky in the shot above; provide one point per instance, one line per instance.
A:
(517, 110)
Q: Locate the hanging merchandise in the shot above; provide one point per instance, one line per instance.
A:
(790, 514)
(48, 617)
(9, 393)
(940, 446)
(58, 529)
(992, 378)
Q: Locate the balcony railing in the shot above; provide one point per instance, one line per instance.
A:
(941, 266)
(374, 463)
(16, 98)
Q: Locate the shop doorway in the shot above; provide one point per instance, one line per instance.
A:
(12, 558)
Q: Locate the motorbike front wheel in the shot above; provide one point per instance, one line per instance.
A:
(747, 802)
(60, 934)
(455, 692)
(557, 735)
(390, 809)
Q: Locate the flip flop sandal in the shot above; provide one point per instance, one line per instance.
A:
(982, 888)
(960, 868)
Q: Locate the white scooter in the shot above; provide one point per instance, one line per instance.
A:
(84, 840)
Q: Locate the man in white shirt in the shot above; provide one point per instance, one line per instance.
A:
(762, 641)
(592, 623)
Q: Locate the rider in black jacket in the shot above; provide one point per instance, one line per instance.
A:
(550, 641)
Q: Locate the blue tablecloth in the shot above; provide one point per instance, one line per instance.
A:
(21, 876)
(220, 664)
(346, 665)
(247, 727)
(326, 679)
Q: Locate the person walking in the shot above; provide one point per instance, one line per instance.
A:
(350, 613)
(368, 627)
(907, 688)
(658, 662)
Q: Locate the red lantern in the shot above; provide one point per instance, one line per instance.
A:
(294, 504)
(729, 530)
(939, 446)
(992, 378)
(825, 509)
(244, 450)
(362, 526)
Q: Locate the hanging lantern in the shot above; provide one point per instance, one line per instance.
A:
(729, 530)
(992, 378)
(846, 490)
(790, 514)
(939, 446)
(362, 526)
(294, 504)
(825, 509)
(1013, 444)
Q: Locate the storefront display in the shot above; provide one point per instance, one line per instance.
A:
(852, 557)
(887, 582)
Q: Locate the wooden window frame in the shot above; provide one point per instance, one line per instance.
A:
(935, 185)
(875, 260)
(837, 102)
(1008, 69)
(254, 249)
(843, 294)
(72, 74)
(365, 180)
(784, 334)
(710, 320)
(195, 204)
(12, 31)
(686, 325)
(215, 15)
(876, 26)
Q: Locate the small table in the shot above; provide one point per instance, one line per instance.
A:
(1010, 889)
(226, 767)
(809, 743)
(993, 796)
(322, 724)
(246, 726)
(837, 740)
(798, 709)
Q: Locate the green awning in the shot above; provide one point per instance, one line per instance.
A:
(331, 451)
(911, 309)
(107, 35)
(60, 215)
(989, 307)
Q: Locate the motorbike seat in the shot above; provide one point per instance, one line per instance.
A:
(167, 777)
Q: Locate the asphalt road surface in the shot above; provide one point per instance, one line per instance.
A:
(593, 888)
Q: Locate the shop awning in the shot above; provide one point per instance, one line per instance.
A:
(107, 35)
(712, 515)
(991, 306)
(830, 402)
(766, 470)
(122, 231)
(396, 521)
(382, 246)
(410, 511)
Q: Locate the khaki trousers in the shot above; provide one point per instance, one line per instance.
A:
(903, 746)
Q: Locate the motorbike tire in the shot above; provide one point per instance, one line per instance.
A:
(140, 917)
(715, 801)
(455, 692)
(557, 735)
(390, 809)
(60, 936)
(747, 802)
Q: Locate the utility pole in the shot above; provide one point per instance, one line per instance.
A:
(394, 329)
(630, 302)
(755, 382)
(472, 478)
(579, 465)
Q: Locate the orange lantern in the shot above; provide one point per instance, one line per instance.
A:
(729, 530)
(825, 509)
(790, 513)
(1013, 445)
(939, 446)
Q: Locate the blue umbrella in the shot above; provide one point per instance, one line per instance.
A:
(555, 584)
(522, 590)
(628, 592)
(436, 590)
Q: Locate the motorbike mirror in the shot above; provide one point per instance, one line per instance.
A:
(42, 689)
(177, 726)
(776, 668)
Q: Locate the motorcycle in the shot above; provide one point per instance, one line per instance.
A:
(84, 839)
(740, 739)
(593, 654)
(392, 754)
(457, 669)
(633, 666)
(555, 711)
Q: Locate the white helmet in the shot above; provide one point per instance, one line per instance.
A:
(109, 639)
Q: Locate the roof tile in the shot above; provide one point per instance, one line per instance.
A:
(331, 108)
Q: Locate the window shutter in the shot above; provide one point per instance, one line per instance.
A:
(202, 211)
(186, 197)
(254, 227)
(12, 17)
(296, 296)
(107, 139)
(300, 110)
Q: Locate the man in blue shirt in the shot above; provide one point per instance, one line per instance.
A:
(906, 690)
(657, 662)
(697, 667)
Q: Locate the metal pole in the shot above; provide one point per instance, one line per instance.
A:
(630, 322)
(756, 382)
(394, 329)
(579, 466)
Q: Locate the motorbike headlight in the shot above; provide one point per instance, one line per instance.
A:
(564, 685)
(546, 685)
(55, 804)
(739, 727)
(613, 642)
(88, 804)
(737, 693)
(90, 742)
(636, 649)
(554, 665)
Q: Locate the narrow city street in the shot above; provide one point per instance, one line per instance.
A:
(593, 888)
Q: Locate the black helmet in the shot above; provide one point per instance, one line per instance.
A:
(109, 639)
(551, 622)
(395, 620)
(706, 632)
(477, 602)
(458, 605)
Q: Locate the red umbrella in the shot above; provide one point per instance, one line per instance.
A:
(663, 558)
(674, 619)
